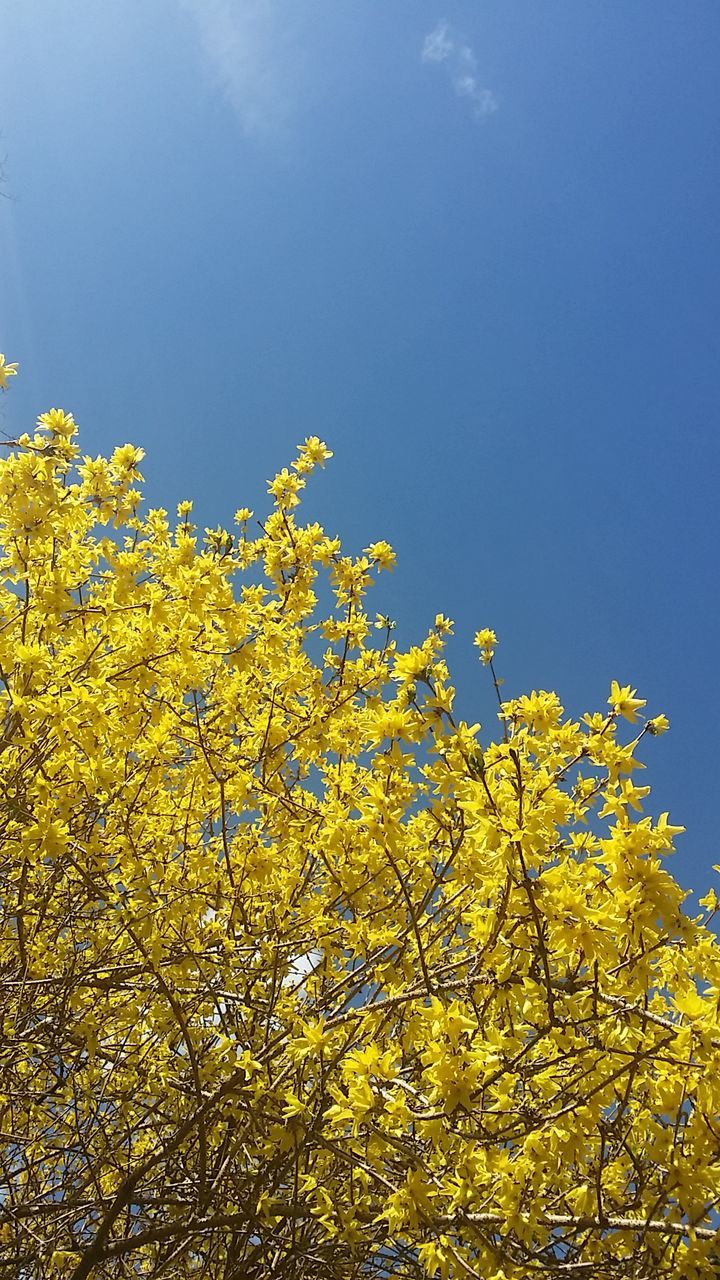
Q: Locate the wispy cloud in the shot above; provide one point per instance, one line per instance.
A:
(245, 44)
(443, 47)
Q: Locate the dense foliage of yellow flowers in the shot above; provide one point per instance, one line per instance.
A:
(301, 976)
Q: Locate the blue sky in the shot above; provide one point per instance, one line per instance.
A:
(472, 245)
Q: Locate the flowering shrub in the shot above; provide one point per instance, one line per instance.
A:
(303, 976)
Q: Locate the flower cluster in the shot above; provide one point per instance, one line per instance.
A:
(303, 974)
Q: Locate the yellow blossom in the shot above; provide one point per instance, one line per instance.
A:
(301, 970)
(6, 370)
(623, 701)
(382, 553)
(485, 641)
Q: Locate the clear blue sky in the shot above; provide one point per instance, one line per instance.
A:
(473, 245)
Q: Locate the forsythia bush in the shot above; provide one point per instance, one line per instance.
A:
(298, 979)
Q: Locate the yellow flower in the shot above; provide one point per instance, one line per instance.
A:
(485, 641)
(127, 457)
(6, 371)
(313, 1040)
(312, 453)
(623, 701)
(58, 423)
(409, 666)
(316, 450)
(443, 625)
(665, 828)
(382, 553)
(658, 724)
(284, 488)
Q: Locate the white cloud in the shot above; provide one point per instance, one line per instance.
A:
(438, 46)
(245, 44)
(442, 46)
